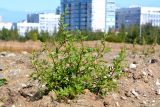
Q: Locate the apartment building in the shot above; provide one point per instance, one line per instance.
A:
(24, 27)
(39, 21)
(137, 16)
(33, 18)
(49, 22)
(6, 25)
(89, 15)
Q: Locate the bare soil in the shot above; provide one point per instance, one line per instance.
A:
(138, 87)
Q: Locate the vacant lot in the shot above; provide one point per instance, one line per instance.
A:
(139, 87)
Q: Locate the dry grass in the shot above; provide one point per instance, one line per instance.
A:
(30, 46)
(16, 46)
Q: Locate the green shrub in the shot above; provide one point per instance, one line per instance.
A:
(43, 36)
(114, 38)
(70, 67)
(32, 35)
(90, 36)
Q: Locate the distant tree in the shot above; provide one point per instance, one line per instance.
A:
(14, 34)
(43, 36)
(32, 35)
(133, 34)
(5, 34)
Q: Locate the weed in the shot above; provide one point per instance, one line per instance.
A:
(3, 82)
(68, 70)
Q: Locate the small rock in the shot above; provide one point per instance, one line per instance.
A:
(123, 98)
(146, 80)
(117, 104)
(26, 85)
(144, 102)
(23, 85)
(144, 73)
(1, 68)
(86, 91)
(24, 52)
(31, 96)
(157, 83)
(150, 73)
(68, 101)
(128, 94)
(3, 54)
(46, 102)
(27, 75)
(13, 106)
(132, 66)
(43, 86)
(11, 55)
(152, 61)
(144, 95)
(105, 103)
(158, 91)
(125, 70)
(158, 87)
(153, 101)
(53, 95)
(135, 93)
(134, 62)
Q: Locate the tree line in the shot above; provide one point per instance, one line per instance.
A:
(34, 35)
(131, 34)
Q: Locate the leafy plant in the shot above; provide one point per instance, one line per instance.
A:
(70, 67)
(117, 64)
(3, 82)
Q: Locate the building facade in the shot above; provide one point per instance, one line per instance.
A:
(24, 27)
(137, 16)
(33, 18)
(89, 15)
(6, 25)
(49, 22)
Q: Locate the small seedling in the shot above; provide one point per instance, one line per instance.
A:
(3, 82)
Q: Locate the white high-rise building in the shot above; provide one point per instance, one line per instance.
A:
(137, 16)
(89, 15)
(49, 22)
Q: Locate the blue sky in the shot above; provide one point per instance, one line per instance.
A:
(29, 5)
(18, 9)
(127, 3)
(42, 5)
